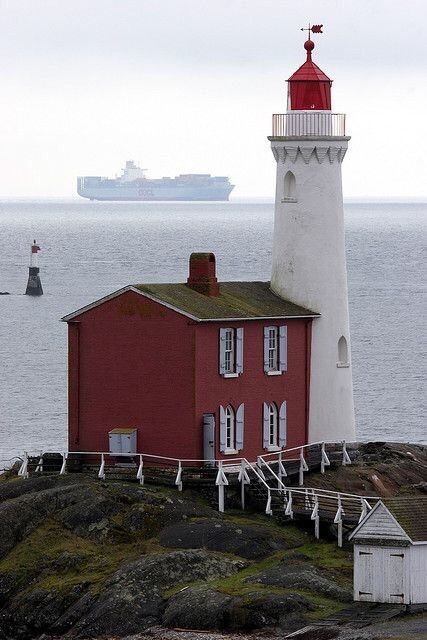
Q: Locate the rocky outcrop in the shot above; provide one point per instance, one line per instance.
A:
(83, 558)
(203, 608)
(132, 599)
(303, 576)
(248, 542)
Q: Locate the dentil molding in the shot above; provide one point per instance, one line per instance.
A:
(292, 152)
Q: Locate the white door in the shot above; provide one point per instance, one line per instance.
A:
(395, 586)
(364, 575)
(209, 437)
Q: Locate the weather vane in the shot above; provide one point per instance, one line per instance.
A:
(315, 28)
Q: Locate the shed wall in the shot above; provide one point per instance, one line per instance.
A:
(418, 573)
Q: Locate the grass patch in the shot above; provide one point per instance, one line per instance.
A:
(327, 555)
(291, 534)
(61, 559)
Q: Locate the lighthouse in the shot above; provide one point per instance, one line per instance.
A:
(34, 285)
(309, 143)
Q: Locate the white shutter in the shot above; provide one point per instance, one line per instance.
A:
(266, 427)
(282, 425)
(222, 333)
(240, 425)
(222, 430)
(266, 344)
(239, 351)
(283, 348)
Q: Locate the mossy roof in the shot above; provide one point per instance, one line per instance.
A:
(411, 513)
(236, 300)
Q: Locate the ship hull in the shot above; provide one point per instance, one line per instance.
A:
(139, 193)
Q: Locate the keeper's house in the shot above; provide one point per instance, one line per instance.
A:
(390, 552)
(200, 370)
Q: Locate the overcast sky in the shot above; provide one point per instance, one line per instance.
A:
(186, 86)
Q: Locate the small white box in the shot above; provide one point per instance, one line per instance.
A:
(122, 441)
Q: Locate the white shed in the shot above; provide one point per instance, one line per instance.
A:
(390, 552)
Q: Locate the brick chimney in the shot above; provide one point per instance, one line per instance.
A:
(202, 277)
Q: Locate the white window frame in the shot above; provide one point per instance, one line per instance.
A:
(273, 348)
(230, 429)
(230, 351)
(273, 428)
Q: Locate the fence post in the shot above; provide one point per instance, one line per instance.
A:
(363, 510)
(288, 510)
(221, 481)
(140, 472)
(315, 516)
(101, 472)
(345, 457)
(268, 510)
(23, 469)
(64, 463)
(302, 467)
(178, 480)
(325, 460)
(281, 471)
(244, 480)
(338, 520)
(259, 462)
(39, 468)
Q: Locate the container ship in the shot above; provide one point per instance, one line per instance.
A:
(133, 185)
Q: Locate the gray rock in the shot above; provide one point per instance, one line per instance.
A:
(205, 609)
(90, 517)
(198, 608)
(9, 584)
(21, 515)
(36, 610)
(159, 511)
(270, 609)
(244, 541)
(20, 487)
(132, 598)
(303, 576)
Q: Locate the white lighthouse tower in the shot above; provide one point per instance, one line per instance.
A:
(309, 264)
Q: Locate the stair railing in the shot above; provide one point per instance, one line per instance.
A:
(261, 479)
(280, 485)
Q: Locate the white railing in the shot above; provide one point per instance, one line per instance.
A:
(268, 468)
(308, 123)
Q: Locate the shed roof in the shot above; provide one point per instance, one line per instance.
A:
(411, 513)
(408, 513)
(237, 300)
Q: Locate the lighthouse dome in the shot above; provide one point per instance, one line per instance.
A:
(309, 88)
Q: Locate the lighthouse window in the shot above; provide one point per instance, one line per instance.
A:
(229, 428)
(290, 188)
(342, 353)
(272, 423)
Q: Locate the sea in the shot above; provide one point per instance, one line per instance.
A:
(89, 249)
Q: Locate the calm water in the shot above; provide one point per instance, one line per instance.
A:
(91, 249)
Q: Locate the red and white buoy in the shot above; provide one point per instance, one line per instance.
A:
(34, 285)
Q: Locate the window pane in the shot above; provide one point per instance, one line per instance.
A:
(229, 351)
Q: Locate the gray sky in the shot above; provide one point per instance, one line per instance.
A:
(190, 85)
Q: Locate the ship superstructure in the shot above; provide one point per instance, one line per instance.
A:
(134, 185)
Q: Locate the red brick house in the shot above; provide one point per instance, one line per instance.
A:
(196, 370)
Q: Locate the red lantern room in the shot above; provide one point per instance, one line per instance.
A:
(309, 88)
